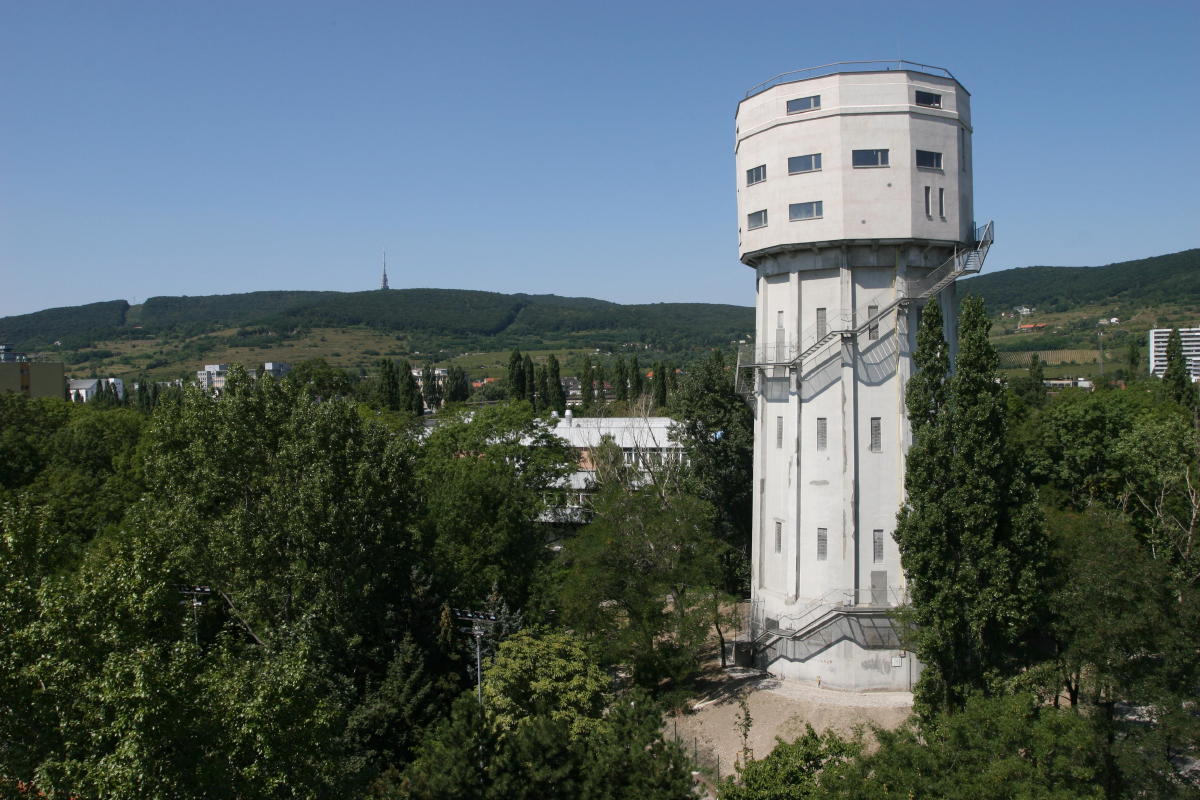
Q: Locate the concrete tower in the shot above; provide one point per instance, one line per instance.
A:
(854, 210)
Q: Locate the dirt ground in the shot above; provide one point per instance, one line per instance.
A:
(778, 708)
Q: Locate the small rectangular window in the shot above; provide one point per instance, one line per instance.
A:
(779, 433)
(813, 210)
(869, 158)
(822, 544)
(929, 99)
(928, 202)
(756, 174)
(779, 319)
(962, 148)
(822, 433)
(942, 203)
(876, 435)
(809, 163)
(873, 328)
(778, 536)
(822, 323)
(877, 537)
(756, 219)
(803, 104)
(928, 159)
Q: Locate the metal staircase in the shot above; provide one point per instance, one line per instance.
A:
(814, 340)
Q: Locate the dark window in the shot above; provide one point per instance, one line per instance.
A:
(876, 436)
(822, 433)
(942, 203)
(809, 163)
(928, 202)
(756, 219)
(822, 323)
(803, 104)
(756, 175)
(873, 328)
(929, 99)
(822, 543)
(778, 432)
(870, 158)
(778, 536)
(929, 159)
(806, 210)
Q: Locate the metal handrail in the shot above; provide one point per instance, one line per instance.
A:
(899, 62)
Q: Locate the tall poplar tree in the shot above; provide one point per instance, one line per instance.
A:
(542, 386)
(601, 387)
(557, 398)
(388, 391)
(971, 538)
(660, 385)
(430, 391)
(620, 380)
(410, 393)
(587, 386)
(636, 384)
(1176, 379)
(530, 379)
(516, 375)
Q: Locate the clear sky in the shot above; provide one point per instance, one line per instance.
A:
(216, 146)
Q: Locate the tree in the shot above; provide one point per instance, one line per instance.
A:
(458, 388)
(530, 379)
(557, 398)
(791, 771)
(637, 577)
(410, 392)
(636, 380)
(325, 380)
(621, 380)
(1177, 380)
(716, 430)
(970, 534)
(542, 388)
(1133, 358)
(660, 385)
(431, 390)
(587, 384)
(994, 749)
(545, 672)
(389, 385)
(516, 375)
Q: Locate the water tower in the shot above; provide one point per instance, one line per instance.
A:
(854, 210)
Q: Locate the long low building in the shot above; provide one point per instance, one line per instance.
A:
(20, 375)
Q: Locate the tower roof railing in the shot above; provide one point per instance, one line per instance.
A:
(898, 64)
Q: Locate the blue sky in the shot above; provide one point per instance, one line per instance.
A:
(160, 148)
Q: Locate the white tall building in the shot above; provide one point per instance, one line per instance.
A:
(854, 210)
(1188, 337)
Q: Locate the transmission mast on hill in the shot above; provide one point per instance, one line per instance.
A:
(384, 284)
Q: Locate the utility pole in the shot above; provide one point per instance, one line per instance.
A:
(481, 624)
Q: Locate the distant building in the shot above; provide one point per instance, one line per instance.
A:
(84, 390)
(1158, 350)
(212, 377)
(20, 375)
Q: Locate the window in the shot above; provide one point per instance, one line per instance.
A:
(778, 536)
(822, 323)
(779, 433)
(928, 211)
(927, 159)
(822, 433)
(812, 210)
(809, 163)
(929, 99)
(962, 148)
(876, 437)
(942, 203)
(869, 158)
(756, 175)
(756, 219)
(873, 328)
(877, 537)
(803, 104)
(822, 543)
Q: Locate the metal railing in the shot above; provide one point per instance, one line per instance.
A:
(847, 66)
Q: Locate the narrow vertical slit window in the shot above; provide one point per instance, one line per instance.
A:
(779, 433)
(873, 328)
(822, 433)
(778, 536)
(928, 201)
(822, 544)
(822, 323)
(942, 203)
(876, 435)
(877, 542)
